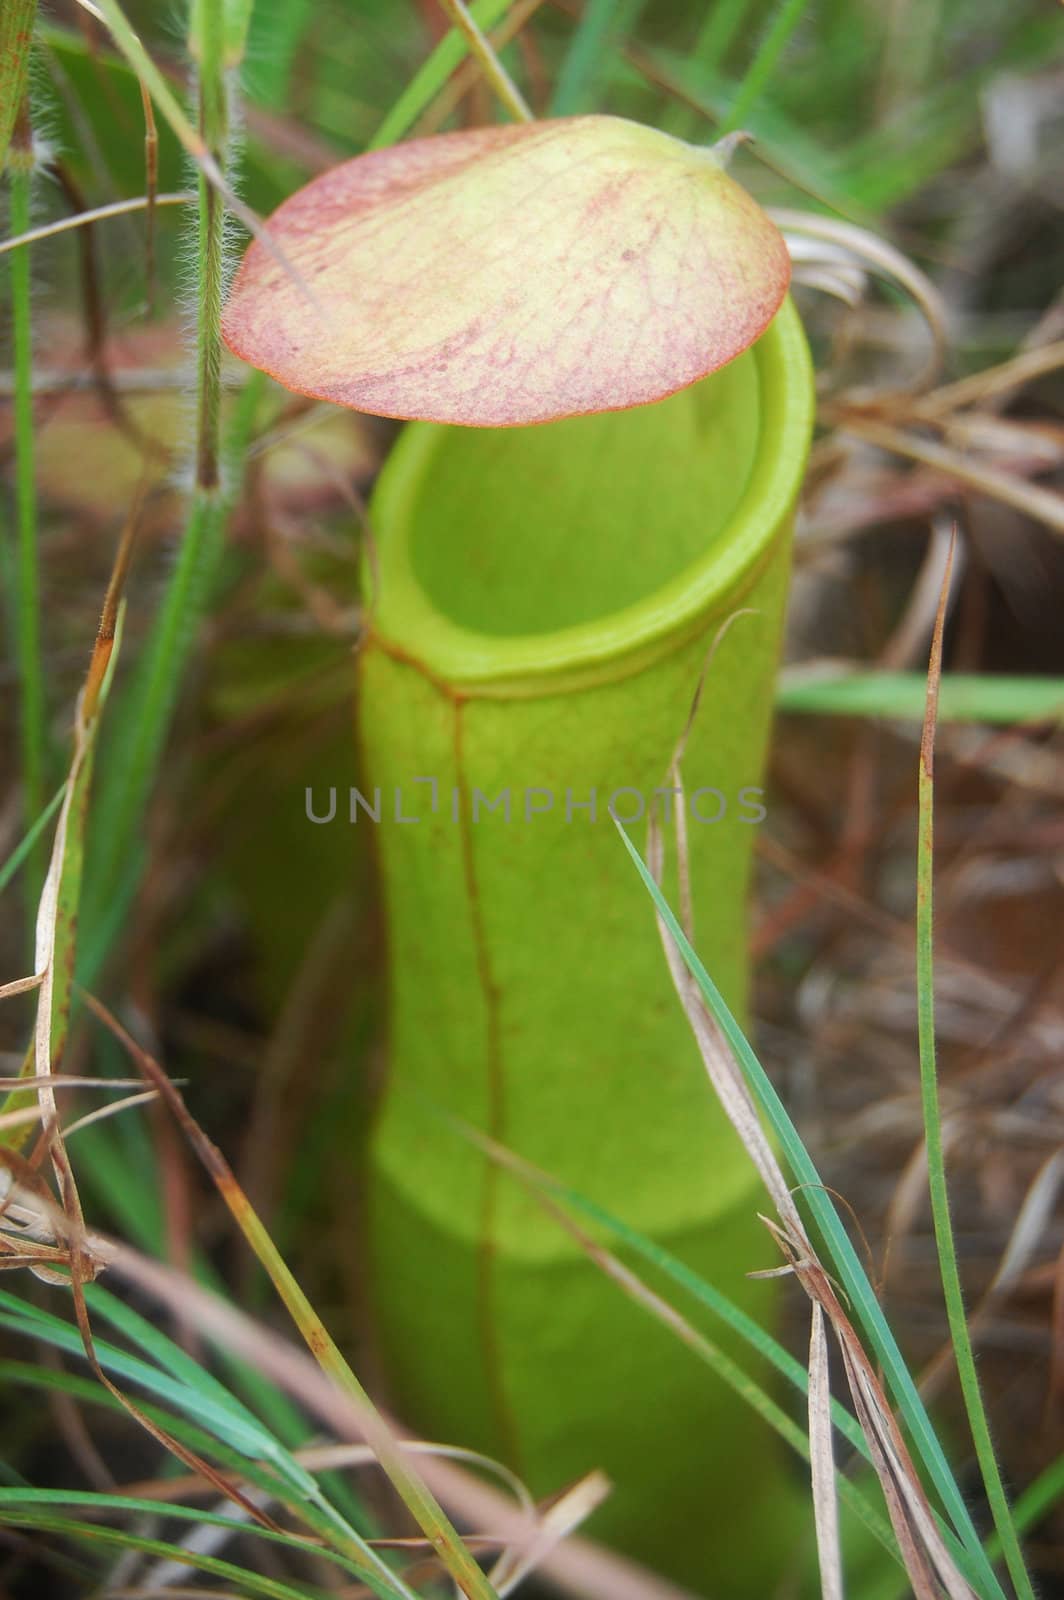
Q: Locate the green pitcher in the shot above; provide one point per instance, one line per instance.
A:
(542, 603)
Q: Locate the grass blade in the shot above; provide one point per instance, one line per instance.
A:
(55, 940)
(602, 23)
(549, 1192)
(426, 83)
(245, 1581)
(936, 1162)
(764, 63)
(148, 706)
(719, 29)
(844, 1257)
(825, 1503)
(28, 1500)
(409, 1485)
(506, 91)
(27, 842)
(963, 697)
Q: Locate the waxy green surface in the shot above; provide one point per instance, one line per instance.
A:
(546, 601)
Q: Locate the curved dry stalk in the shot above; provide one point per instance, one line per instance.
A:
(1044, 505)
(481, 48)
(886, 261)
(978, 387)
(81, 219)
(928, 1561)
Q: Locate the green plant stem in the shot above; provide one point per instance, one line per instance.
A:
(27, 583)
(763, 65)
(146, 716)
(936, 1165)
(150, 75)
(208, 45)
(148, 707)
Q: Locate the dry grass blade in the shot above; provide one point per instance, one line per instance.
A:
(102, 1113)
(55, 939)
(154, 84)
(556, 1523)
(336, 1457)
(993, 382)
(480, 47)
(1044, 505)
(21, 985)
(66, 1256)
(82, 219)
(151, 176)
(868, 249)
(822, 1461)
(919, 1568)
(576, 1567)
(27, 1116)
(929, 1564)
(27, 1209)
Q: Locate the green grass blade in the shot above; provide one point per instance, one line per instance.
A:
(603, 25)
(27, 842)
(936, 1159)
(760, 70)
(55, 943)
(233, 22)
(844, 1257)
(724, 19)
(171, 1358)
(87, 1391)
(183, 1386)
(1041, 1496)
(964, 697)
(28, 1499)
(222, 1416)
(244, 1581)
(148, 706)
(408, 1483)
(119, 1164)
(427, 82)
(749, 1331)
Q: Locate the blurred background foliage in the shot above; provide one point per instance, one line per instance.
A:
(249, 949)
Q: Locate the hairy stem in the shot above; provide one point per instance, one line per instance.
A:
(27, 626)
